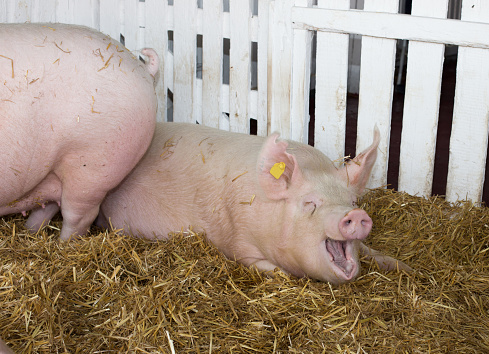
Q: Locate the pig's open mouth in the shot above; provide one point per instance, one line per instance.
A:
(340, 251)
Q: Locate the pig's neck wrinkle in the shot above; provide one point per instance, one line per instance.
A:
(247, 232)
(262, 229)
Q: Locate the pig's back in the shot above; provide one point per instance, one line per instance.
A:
(69, 93)
(193, 164)
(59, 76)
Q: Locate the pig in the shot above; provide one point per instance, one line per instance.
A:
(264, 202)
(4, 348)
(77, 112)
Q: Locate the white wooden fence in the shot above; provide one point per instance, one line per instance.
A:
(274, 36)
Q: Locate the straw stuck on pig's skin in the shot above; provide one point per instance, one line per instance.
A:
(110, 293)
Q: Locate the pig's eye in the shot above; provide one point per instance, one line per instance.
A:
(310, 206)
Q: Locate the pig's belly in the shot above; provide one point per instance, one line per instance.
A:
(149, 214)
(26, 158)
(47, 190)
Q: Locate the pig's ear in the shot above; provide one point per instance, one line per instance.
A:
(277, 170)
(357, 171)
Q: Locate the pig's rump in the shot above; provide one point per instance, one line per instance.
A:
(77, 112)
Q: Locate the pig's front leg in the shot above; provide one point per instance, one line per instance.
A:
(262, 265)
(384, 262)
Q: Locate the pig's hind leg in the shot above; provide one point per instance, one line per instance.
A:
(79, 208)
(77, 217)
(41, 216)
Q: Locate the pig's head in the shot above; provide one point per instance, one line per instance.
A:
(322, 228)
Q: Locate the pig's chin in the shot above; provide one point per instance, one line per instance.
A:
(341, 256)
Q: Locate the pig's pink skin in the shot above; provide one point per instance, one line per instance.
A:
(206, 178)
(355, 225)
(4, 349)
(77, 112)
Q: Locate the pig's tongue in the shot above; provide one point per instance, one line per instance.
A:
(337, 250)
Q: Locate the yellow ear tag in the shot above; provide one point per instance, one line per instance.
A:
(277, 170)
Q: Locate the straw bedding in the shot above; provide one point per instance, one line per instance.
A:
(116, 294)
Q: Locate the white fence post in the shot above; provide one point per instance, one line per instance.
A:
(375, 93)
(262, 66)
(421, 106)
(239, 66)
(331, 87)
(157, 38)
(468, 142)
(212, 62)
(280, 44)
(110, 18)
(301, 75)
(184, 58)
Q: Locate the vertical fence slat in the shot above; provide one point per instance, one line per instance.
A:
(301, 74)
(156, 37)
(131, 25)
(80, 13)
(421, 106)
(4, 11)
(184, 56)
(44, 11)
(468, 142)
(280, 50)
(110, 18)
(262, 66)
(212, 63)
(376, 88)
(64, 12)
(19, 12)
(331, 86)
(239, 66)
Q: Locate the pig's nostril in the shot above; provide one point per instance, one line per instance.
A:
(355, 225)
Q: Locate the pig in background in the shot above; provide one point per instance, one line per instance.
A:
(77, 112)
(263, 202)
(4, 349)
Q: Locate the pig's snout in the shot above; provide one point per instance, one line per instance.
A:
(355, 225)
